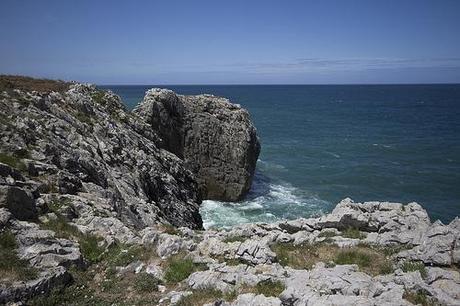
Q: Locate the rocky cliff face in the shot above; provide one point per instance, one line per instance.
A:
(82, 141)
(215, 138)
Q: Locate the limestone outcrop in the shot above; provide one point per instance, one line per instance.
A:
(214, 137)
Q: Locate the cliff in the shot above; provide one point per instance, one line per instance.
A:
(99, 206)
(215, 138)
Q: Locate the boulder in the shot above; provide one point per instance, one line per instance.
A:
(19, 202)
(215, 138)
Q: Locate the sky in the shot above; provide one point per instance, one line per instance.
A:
(232, 42)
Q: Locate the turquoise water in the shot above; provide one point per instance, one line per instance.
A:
(321, 144)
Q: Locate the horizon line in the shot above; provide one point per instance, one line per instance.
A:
(278, 84)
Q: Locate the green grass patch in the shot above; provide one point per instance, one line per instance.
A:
(369, 259)
(411, 266)
(13, 161)
(353, 233)
(119, 254)
(348, 257)
(179, 268)
(231, 239)
(11, 267)
(84, 118)
(91, 248)
(327, 234)
(270, 288)
(98, 97)
(145, 282)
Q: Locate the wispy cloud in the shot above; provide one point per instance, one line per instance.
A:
(346, 64)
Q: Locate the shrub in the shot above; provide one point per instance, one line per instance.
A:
(270, 288)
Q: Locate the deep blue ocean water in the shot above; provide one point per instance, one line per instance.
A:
(322, 143)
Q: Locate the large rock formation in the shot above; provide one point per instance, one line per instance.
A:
(83, 142)
(215, 138)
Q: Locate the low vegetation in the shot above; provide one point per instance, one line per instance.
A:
(327, 234)
(13, 161)
(10, 82)
(353, 233)
(410, 266)
(200, 297)
(369, 259)
(11, 267)
(234, 239)
(179, 268)
(270, 288)
(418, 298)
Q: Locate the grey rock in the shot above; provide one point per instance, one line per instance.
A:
(19, 202)
(215, 138)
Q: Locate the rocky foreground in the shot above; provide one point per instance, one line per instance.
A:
(99, 206)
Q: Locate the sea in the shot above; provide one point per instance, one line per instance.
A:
(324, 143)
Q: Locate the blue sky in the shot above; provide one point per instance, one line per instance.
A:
(232, 42)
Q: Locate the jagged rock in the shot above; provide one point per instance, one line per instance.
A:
(82, 136)
(19, 202)
(52, 277)
(215, 137)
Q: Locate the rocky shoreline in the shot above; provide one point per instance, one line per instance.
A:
(99, 206)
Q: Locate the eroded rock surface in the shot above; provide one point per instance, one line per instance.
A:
(215, 138)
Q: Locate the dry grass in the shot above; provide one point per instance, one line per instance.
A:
(10, 82)
(369, 260)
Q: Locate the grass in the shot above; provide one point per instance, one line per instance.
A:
(353, 233)
(84, 118)
(120, 255)
(201, 297)
(418, 298)
(179, 268)
(11, 267)
(234, 239)
(90, 245)
(91, 248)
(270, 288)
(13, 161)
(411, 266)
(352, 256)
(98, 97)
(209, 295)
(10, 82)
(145, 282)
(369, 259)
(327, 234)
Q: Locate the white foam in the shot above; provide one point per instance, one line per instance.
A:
(279, 201)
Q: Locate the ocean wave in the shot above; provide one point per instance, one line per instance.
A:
(266, 202)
